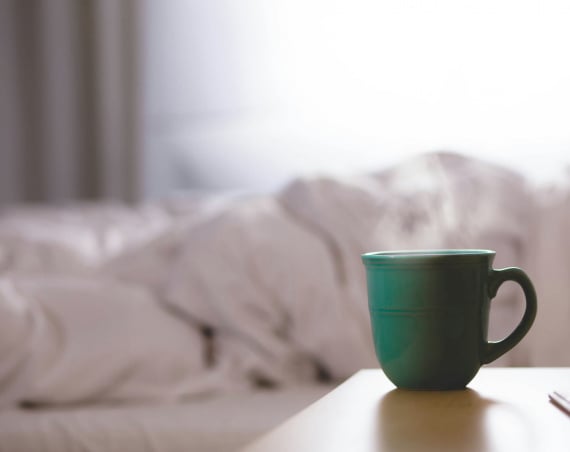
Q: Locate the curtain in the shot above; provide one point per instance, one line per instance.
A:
(68, 100)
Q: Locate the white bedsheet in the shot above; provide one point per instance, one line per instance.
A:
(220, 424)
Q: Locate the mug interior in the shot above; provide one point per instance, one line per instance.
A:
(425, 255)
(443, 252)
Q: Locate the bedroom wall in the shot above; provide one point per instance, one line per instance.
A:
(247, 95)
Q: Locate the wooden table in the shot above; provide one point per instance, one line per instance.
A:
(503, 409)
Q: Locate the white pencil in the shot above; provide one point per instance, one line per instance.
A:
(561, 400)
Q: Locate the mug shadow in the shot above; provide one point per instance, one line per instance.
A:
(432, 420)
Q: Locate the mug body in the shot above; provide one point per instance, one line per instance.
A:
(429, 312)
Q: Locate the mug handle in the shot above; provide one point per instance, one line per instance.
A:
(493, 350)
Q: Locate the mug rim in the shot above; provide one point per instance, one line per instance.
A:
(424, 255)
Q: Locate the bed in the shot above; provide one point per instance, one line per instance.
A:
(222, 423)
(200, 321)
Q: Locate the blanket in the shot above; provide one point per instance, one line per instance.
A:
(207, 294)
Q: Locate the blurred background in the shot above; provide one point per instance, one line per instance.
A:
(129, 100)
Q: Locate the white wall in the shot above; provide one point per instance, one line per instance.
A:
(247, 94)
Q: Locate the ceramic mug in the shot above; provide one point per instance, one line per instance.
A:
(429, 312)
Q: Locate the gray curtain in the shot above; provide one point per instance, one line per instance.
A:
(68, 100)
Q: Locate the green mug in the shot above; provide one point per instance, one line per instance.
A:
(429, 312)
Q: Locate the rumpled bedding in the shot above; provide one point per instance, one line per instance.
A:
(203, 295)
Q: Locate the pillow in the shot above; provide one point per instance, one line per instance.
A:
(74, 239)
